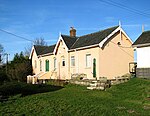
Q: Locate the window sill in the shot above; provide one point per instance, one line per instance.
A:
(87, 67)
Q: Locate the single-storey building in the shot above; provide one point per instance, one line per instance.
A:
(142, 46)
(106, 53)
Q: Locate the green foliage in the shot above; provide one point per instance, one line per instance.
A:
(3, 76)
(19, 68)
(126, 99)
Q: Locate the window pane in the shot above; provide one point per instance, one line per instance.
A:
(40, 65)
(63, 61)
(72, 61)
(88, 60)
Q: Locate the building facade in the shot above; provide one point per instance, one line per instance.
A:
(142, 46)
(106, 53)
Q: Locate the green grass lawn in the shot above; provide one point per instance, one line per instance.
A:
(130, 98)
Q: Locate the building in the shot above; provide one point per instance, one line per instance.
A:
(142, 46)
(106, 53)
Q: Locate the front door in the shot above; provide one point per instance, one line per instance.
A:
(94, 68)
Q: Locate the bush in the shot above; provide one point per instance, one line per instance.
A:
(3, 77)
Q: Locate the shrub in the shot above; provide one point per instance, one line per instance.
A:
(3, 77)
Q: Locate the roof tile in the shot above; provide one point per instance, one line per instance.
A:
(144, 38)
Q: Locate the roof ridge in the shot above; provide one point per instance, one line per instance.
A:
(45, 45)
(75, 42)
(69, 36)
(99, 31)
(146, 31)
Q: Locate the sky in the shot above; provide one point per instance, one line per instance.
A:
(48, 18)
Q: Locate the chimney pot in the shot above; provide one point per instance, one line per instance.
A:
(72, 32)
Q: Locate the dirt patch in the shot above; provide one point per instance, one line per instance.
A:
(146, 107)
(131, 111)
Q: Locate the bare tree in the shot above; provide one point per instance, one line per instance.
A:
(38, 41)
(1, 48)
(1, 52)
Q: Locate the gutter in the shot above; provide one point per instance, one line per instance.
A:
(45, 55)
(86, 47)
(141, 45)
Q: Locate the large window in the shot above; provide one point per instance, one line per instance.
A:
(40, 65)
(88, 60)
(55, 63)
(47, 65)
(63, 61)
(72, 61)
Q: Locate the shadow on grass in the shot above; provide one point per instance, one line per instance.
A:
(14, 88)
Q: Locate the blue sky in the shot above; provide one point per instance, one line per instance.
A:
(47, 18)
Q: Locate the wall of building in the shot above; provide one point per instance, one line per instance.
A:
(111, 61)
(43, 73)
(62, 54)
(80, 61)
(114, 60)
(143, 57)
(35, 59)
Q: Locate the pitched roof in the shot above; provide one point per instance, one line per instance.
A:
(144, 38)
(77, 42)
(93, 38)
(44, 49)
(69, 41)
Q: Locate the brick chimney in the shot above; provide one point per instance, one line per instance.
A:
(72, 32)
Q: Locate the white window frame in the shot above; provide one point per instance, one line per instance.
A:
(88, 60)
(72, 61)
(55, 63)
(40, 65)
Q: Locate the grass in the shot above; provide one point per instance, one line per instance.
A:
(131, 98)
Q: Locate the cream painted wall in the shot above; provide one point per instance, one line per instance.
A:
(114, 60)
(111, 61)
(35, 58)
(62, 71)
(51, 73)
(143, 57)
(80, 62)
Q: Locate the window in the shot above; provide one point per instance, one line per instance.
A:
(54, 63)
(88, 60)
(35, 64)
(72, 61)
(40, 65)
(47, 65)
(63, 62)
